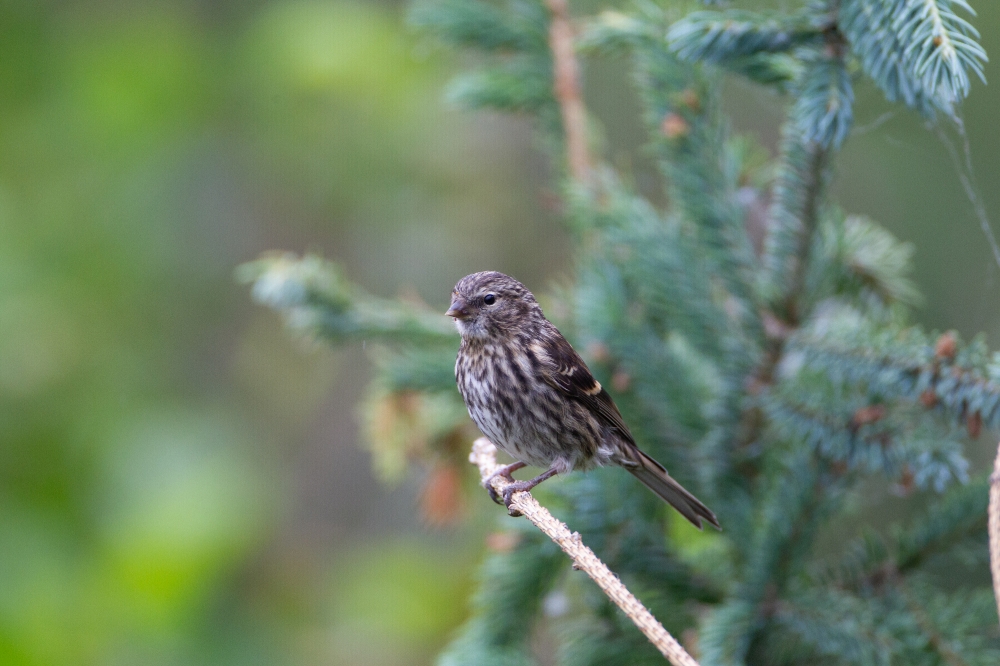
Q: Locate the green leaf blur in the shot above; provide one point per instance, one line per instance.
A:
(155, 429)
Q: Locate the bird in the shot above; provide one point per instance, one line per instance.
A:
(534, 397)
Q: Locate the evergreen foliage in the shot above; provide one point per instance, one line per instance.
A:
(781, 384)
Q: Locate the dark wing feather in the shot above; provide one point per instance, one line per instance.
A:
(562, 368)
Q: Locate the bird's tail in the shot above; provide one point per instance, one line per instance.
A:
(655, 477)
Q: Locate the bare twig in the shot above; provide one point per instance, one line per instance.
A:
(994, 516)
(484, 457)
(566, 72)
(967, 176)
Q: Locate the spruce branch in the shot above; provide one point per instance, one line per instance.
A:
(483, 456)
(512, 585)
(719, 36)
(868, 27)
(794, 214)
(896, 363)
(313, 296)
(938, 644)
(518, 85)
(827, 623)
(514, 37)
(941, 45)
(824, 108)
(917, 51)
(479, 25)
(994, 528)
(874, 561)
(701, 165)
(857, 260)
(957, 516)
(784, 532)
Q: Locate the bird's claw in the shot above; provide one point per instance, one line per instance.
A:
(505, 498)
(492, 491)
(508, 492)
(508, 495)
(504, 473)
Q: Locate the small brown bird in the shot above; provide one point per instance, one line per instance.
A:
(533, 396)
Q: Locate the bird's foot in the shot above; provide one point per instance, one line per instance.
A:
(524, 486)
(504, 472)
(508, 495)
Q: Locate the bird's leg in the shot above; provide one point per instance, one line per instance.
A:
(505, 472)
(519, 486)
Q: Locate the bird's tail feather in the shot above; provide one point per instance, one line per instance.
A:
(655, 477)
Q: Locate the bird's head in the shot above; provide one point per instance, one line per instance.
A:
(491, 304)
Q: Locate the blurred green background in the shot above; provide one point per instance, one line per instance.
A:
(181, 481)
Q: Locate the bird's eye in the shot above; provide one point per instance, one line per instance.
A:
(489, 299)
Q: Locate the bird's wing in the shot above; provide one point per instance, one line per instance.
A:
(558, 364)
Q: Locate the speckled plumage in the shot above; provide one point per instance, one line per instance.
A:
(533, 396)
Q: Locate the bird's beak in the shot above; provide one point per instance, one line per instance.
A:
(458, 308)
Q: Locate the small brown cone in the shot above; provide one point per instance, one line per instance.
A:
(691, 99)
(946, 346)
(974, 424)
(674, 127)
(866, 415)
(928, 398)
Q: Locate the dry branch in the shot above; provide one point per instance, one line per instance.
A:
(994, 527)
(484, 457)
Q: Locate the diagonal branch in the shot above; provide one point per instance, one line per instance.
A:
(483, 456)
(994, 528)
